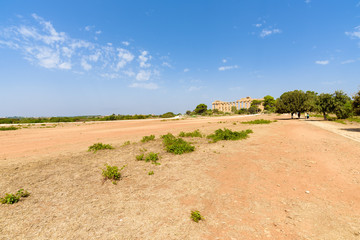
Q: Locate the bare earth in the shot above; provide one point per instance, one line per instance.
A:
(292, 179)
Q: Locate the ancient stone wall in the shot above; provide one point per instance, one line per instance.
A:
(241, 103)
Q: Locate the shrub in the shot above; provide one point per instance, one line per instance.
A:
(126, 143)
(227, 134)
(99, 146)
(151, 173)
(112, 172)
(195, 133)
(140, 157)
(152, 157)
(168, 115)
(14, 198)
(8, 128)
(176, 145)
(196, 216)
(148, 138)
(257, 121)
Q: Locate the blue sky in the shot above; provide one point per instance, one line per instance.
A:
(61, 58)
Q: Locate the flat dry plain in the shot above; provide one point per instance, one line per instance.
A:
(290, 180)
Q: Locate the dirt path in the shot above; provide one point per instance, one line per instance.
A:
(289, 180)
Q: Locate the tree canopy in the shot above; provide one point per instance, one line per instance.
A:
(201, 108)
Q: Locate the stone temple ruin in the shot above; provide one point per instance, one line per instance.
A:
(241, 103)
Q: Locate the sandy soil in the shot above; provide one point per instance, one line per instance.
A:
(290, 180)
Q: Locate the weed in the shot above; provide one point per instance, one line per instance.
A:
(126, 143)
(195, 133)
(196, 216)
(257, 121)
(354, 119)
(148, 138)
(152, 157)
(227, 134)
(176, 145)
(14, 198)
(340, 121)
(99, 146)
(8, 128)
(112, 172)
(143, 149)
(234, 123)
(151, 173)
(140, 157)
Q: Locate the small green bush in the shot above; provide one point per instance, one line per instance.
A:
(14, 198)
(196, 216)
(227, 134)
(126, 143)
(151, 173)
(257, 121)
(8, 128)
(99, 146)
(176, 145)
(112, 172)
(195, 133)
(148, 138)
(140, 157)
(152, 157)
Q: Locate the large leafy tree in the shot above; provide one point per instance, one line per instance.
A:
(201, 108)
(356, 103)
(342, 105)
(310, 103)
(291, 102)
(326, 104)
(269, 103)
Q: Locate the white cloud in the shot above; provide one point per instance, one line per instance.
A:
(88, 28)
(65, 65)
(224, 68)
(143, 58)
(151, 86)
(348, 61)
(143, 75)
(110, 75)
(186, 70)
(124, 57)
(268, 32)
(307, 1)
(224, 60)
(129, 73)
(166, 64)
(355, 33)
(125, 43)
(194, 88)
(86, 66)
(98, 32)
(258, 25)
(322, 62)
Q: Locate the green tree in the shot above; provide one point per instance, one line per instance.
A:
(233, 109)
(356, 103)
(269, 103)
(310, 103)
(342, 105)
(201, 108)
(325, 103)
(291, 102)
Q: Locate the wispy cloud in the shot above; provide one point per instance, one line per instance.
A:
(307, 1)
(42, 45)
(267, 32)
(332, 83)
(354, 34)
(151, 86)
(322, 62)
(224, 60)
(194, 88)
(186, 70)
(348, 61)
(224, 68)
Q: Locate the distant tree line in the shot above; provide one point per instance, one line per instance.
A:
(297, 101)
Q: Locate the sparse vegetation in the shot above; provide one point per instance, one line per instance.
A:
(176, 145)
(126, 143)
(8, 128)
(140, 157)
(196, 216)
(257, 121)
(148, 138)
(14, 198)
(152, 157)
(112, 172)
(227, 134)
(99, 146)
(151, 173)
(195, 133)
